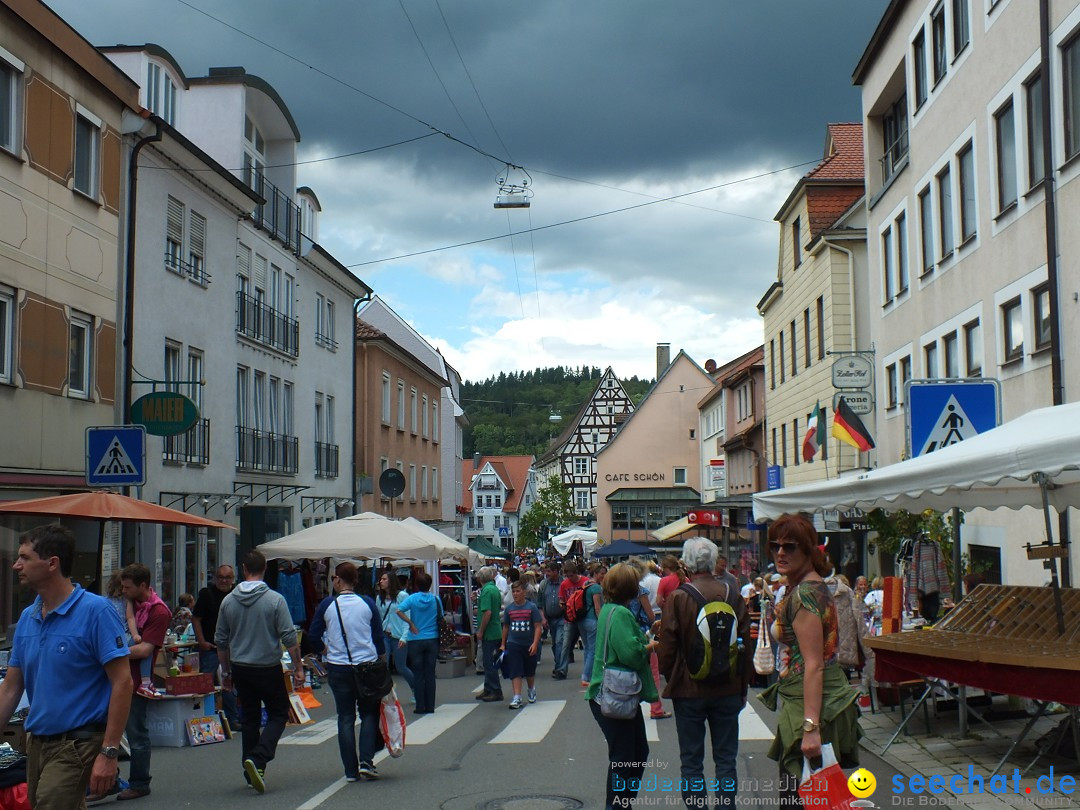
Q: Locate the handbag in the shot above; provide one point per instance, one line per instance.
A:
(620, 689)
(827, 786)
(372, 678)
(764, 662)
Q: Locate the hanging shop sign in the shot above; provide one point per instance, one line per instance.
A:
(164, 413)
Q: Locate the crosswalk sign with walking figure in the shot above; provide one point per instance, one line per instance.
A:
(941, 414)
(115, 456)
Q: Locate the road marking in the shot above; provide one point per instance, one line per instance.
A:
(531, 724)
(751, 726)
(478, 689)
(652, 733)
(320, 797)
(429, 726)
(315, 734)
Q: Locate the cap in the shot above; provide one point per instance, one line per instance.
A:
(775, 578)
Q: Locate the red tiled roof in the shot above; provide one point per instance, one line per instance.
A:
(513, 470)
(826, 205)
(843, 154)
(365, 331)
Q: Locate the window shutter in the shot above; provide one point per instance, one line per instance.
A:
(260, 272)
(198, 235)
(243, 261)
(174, 229)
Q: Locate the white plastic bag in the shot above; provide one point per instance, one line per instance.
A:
(392, 724)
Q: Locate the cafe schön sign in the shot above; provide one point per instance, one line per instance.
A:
(164, 413)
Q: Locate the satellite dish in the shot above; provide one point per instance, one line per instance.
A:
(710, 365)
(391, 482)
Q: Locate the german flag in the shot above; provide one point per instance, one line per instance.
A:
(847, 427)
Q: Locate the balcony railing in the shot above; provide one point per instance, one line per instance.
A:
(326, 341)
(895, 156)
(326, 460)
(279, 216)
(261, 451)
(192, 447)
(195, 272)
(261, 322)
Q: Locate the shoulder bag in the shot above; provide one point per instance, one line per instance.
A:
(620, 689)
(372, 678)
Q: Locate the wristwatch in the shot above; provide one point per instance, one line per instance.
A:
(809, 726)
(110, 751)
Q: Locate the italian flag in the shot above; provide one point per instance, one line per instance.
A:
(815, 434)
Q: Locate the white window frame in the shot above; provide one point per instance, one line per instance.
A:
(679, 476)
(434, 483)
(413, 415)
(434, 421)
(92, 154)
(175, 212)
(10, 140)
(401, 404)
(412, 483)
(386, 397)
(425, 418)
(423, 483)
(242, 396)
(81, 322)
(287, 405)
(7, 335)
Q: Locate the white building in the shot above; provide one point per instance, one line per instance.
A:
(497, 493)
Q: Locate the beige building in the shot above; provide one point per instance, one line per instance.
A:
(810, 311)
(957, 246)
(649, 474)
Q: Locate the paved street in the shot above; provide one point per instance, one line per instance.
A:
(468, 755)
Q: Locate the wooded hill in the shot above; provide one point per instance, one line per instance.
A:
(510, 414)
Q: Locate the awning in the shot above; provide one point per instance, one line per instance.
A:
(485, 548)
(673, 529)
(655, 494)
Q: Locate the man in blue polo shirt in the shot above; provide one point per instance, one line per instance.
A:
(70, 656)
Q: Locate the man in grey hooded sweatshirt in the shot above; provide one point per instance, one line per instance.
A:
(253, 624)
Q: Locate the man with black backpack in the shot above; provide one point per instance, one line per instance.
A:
(705, 656)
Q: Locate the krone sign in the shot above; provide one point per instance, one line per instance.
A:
(860, 402)
(852, 371)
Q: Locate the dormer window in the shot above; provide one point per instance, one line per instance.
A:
(160, 93)
(254, 155)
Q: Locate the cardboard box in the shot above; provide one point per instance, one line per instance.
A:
(450, 667)
(189, 683)
(15, 735)
(167, 718)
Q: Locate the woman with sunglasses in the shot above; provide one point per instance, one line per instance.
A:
(390, 596)
(818, 704)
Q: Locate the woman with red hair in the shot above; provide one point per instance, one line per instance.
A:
(818, 704)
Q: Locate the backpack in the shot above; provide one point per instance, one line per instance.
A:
(577, 606)
(713, 654)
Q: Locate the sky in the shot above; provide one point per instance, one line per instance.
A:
(608, 108)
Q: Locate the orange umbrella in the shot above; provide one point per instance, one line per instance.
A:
(107, 506)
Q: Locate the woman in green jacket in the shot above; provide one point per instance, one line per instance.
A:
(625, 647)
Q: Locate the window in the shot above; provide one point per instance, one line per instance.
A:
(968, 213)
(905, 369)
(901, 253)
(1005, 139)
(1034, 104)
(197, 249)
(891, 398)
(773, 446)
(275, 407)
(87, 151)
(961, 26)
(796, 244)
(772, 363)
(1041, 311)
(918, 56)
(886, 265)
(945, 220)
(172, 366)
(242, 395)
(794, 352)
(581, 501)
(254, 155)
(386, 398)
(620, 516)
(581, 465)
(796, 453)
(950, 350)
(423, 482)
(680, 476)
(287, 409)
(424, 410)
(160, 93)
(174, 235)
(401, 498)
(783, 444)
(1070, 53)
(930, 360)
(7, 334)
(318, 417)
(806, 335)
(434, 421)
(412, 410)
(937, 31)
(400, 404)
(926, 230)
(434, 483)
(329, 419)
(1012, 323)
(894, 130)
(80, 355)
(258, 400)
(821, 327)
(780, 340)
(973, 348)
(412, 482)
(11, 70)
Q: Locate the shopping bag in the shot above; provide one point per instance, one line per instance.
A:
(764, 662)
(392, 724)
(826, 787)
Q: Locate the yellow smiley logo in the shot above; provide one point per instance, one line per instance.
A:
(862, 783)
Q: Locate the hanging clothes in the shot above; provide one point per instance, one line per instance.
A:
(290, 586)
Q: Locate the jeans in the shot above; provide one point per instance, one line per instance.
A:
(556, 627)
(722, 716)
(138, 734)
(255, 687)
(570, 634)
(422, 656)
(208, 662)
(490, 651)
(349, 706)
(587, 628)
(628, 750)
(401, 661)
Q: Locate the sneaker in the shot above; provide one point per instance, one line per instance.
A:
(516, 703)
(368, 771)
(585, 683)
(558, 676)
(255, 775)
(532, 696)
(352, 778)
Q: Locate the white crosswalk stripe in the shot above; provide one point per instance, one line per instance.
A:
(313, 734)
(531, 723)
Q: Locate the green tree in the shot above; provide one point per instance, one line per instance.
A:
(552, 507)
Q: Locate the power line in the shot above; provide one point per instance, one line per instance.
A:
(581, 219)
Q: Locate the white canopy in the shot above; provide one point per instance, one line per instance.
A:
(367, 536)
(562, 542)
(995, 469)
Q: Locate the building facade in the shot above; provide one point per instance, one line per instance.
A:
(499, 490)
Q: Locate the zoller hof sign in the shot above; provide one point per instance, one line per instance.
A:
(852, 371)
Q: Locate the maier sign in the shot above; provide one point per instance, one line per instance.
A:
(164, 413)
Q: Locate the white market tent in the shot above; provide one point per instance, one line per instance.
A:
(1004, 467)
(562, 542)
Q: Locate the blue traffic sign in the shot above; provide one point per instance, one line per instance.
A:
(944, 413)
(115, 456)
(774, 476)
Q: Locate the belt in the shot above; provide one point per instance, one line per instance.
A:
(87, 732)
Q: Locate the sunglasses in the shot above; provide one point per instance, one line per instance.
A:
(787, 548)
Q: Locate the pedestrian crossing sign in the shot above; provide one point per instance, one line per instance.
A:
(945, 413)
(115, 456)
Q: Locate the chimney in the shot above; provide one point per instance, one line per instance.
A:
(475, 460)
(663, 358)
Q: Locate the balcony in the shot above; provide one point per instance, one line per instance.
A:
(266, 325)
(192, 447)
(894, 158)
(326, 341)
(326, 460)
(195, 272)
(260, 451)
(279, 216)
